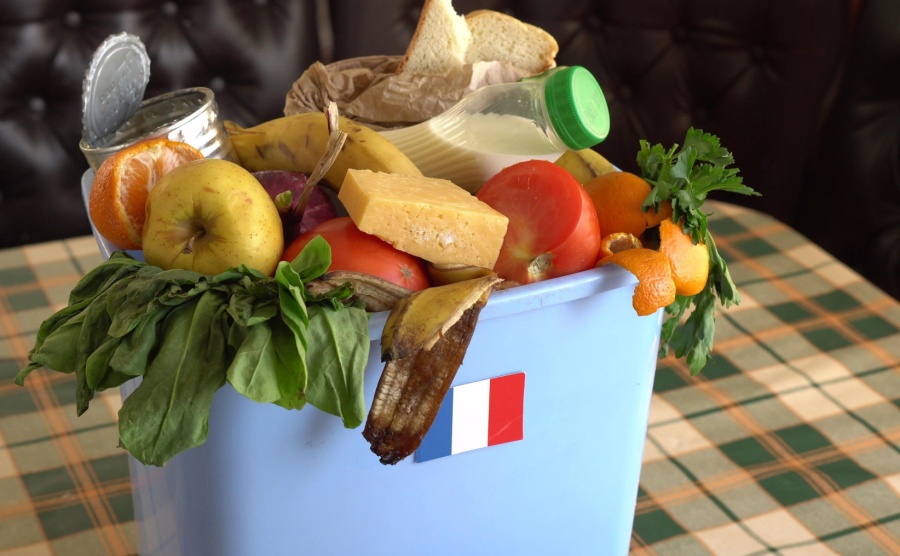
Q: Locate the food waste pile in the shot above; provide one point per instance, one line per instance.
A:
(262, 272)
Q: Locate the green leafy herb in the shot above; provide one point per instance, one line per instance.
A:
(186, 335)
(685, 175)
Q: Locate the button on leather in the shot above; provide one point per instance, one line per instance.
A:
(37, 104)
(758, 54)
(72, 19)
(170, 9)
(217, 84)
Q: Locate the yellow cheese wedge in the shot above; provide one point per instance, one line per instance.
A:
(426, 217)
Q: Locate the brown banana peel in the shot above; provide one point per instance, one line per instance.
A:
(419, 320)
(411, 389)
(443, 274)
(376, 293)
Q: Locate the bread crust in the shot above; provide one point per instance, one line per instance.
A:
(540, 41)
(419, 33)
(526, 46)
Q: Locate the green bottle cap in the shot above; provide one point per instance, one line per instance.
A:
(577, 107)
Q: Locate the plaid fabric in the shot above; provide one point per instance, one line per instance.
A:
(788, 443)
(64, 484)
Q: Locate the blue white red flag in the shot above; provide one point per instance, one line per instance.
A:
(476, 415)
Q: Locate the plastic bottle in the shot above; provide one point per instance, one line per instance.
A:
(498, 125)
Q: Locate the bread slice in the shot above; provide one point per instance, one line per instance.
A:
(500, 37)
(440, 41)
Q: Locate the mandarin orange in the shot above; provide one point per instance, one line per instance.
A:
(689, 261)
(655, 288)
(618, 198)
(119, 192)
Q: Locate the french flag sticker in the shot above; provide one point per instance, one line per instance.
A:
(476, 415)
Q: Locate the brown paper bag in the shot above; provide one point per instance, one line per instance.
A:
(368, 89)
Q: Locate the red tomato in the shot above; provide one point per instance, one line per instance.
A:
(553, 226)
(352, 249)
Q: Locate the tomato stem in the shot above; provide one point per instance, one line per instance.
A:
(540, 264)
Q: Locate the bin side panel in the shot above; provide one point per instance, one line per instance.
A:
(270, 481)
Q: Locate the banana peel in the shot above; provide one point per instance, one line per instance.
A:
(442, 274)
(585, 164)
(376, 293)
(419, 320)
(437, 324)
(296, 143)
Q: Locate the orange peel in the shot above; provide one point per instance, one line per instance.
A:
(655, 288)
(689, 261)
(619, 241)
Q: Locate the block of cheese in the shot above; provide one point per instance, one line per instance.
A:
(427, 217)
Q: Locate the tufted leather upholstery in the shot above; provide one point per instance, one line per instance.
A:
(759, 74)
(854, 188)
(249, 52)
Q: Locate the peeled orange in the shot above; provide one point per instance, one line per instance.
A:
(618, 198)
(119, 192)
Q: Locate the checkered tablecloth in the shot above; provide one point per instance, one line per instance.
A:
(788, 443)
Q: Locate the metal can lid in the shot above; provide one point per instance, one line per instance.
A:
(114, 86)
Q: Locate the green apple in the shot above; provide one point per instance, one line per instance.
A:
(210, 215)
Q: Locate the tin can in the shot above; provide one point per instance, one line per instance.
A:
(188, 115)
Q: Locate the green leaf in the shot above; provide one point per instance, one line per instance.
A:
(256, 371)
(685, 176)
(132, 356)
(169, 411)
(337, 361)
(314, 260)
(292, 295)
(58, 351)
(293, 380)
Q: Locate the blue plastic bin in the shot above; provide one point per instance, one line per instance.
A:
(274, 482)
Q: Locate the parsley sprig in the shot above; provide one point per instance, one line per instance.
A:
(685, 175)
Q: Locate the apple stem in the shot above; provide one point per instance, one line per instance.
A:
(189, 246)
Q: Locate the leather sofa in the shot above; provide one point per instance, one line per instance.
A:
(761, 75)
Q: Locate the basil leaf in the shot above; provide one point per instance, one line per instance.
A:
(249, 310)
(103, 276)
(132, 355)
(291, 295)
(293, 378)
(314, 260)
(93, 335)
(82, 295)
(339, 352)
(169, 411)
(253, 369)
(57, 352)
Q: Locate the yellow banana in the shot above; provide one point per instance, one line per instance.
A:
(297, 142)
(418, 320)
(585, 164)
